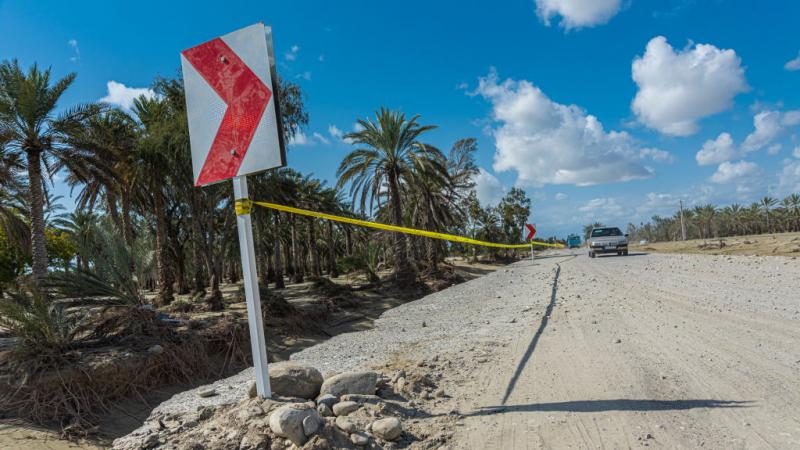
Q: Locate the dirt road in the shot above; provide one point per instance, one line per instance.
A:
(665, 351)
(650, 350)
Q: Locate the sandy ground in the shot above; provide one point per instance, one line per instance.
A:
(663, 351)
(649, 350)
(127, 415)
(779, 244)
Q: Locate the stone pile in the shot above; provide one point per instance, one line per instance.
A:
(305, 411)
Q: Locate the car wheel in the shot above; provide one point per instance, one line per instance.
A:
(591, 254)
(625, 253)
(619, 253)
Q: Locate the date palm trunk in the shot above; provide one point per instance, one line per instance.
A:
(333, 271)
(38, 240)
(402, 267)
(279, 282)
(316, 267)
(297, 262)
(165, 293)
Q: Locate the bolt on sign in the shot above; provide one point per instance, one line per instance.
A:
(235, 130)
(232, 106)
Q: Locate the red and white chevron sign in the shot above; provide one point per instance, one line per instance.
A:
(234, 126)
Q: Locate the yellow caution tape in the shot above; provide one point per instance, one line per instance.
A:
(244, 205)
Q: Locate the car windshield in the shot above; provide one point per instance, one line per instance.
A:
(601, 232)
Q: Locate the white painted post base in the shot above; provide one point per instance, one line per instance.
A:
(255, 321)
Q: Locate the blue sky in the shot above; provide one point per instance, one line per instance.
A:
(608, 110)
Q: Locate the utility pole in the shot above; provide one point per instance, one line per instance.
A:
(683, 225)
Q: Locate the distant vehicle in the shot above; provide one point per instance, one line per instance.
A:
(607, 240)
(573, 241)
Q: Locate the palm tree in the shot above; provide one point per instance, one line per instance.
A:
(152, 170)
(12, 203)
(767, 203)
(705, 215)
(792, 205)
(28, 101)
(390, 151)
(112, 137)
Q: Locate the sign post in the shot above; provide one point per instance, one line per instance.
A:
(258, 343)
(235, 130)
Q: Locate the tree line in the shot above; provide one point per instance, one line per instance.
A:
(141, 226)
(768, 215)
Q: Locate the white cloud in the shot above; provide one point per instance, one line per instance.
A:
(738, 171)
(488, 188)
(578, 13)
(657, 155)
(796, 152)
(793, 64)
(717, 151)
(791, 118)
(335, 132)
(319, 137)
(658, 203)
(774, 149)
(601, 208)
(561, 196)
(767, 127)
(73, 43)
(305, 75)
(316, 137)
(123, 96)
(676, 89)
(789, 178)
(300, 138)
(291, 55)
(550, 143)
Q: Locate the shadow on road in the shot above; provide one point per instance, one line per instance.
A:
(535, 340)
(611, 255)
(613, 405)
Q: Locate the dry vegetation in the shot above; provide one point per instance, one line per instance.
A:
(779, 244)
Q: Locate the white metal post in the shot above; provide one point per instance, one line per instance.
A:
(258, 343)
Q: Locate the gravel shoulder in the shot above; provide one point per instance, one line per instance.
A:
(657, 350)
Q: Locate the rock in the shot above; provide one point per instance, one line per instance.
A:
(387, 429)
(359, 439)
(207, 392)
(292, 379)
(155, 349)
(252, 391)
(440, 393)
(289, 421)
(617, 341)
(350, 383)
(401, 383)
(361, 398)
(327, 399)
(324, 410)
(345, 408)
(346, 424)
(311, 424)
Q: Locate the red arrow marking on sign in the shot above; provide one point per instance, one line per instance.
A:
(532, 230)
(246, 97)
